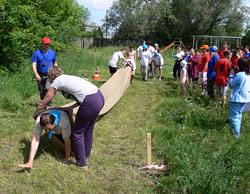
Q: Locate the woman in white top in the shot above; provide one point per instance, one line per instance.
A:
(90, 100)
(131, 53)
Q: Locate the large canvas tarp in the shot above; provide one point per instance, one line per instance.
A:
(112, 90)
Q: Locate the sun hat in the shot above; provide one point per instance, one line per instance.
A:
(212, 49)
(144, 46)
(46, 40)
(204, 47)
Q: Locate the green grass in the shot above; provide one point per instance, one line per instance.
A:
(191, 137)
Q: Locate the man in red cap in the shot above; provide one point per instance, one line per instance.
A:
(42, 60)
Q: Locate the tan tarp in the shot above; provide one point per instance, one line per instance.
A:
(112, 90)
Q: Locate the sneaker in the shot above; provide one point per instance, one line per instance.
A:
(159, 78)
(154, 78)
(203, 92)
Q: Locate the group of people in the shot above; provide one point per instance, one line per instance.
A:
(150, 59)
(88, 97)
(215, 71)
(213, 68)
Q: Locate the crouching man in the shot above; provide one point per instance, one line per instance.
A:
(52, 121)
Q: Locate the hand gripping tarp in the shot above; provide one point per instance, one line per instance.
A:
(112, 90)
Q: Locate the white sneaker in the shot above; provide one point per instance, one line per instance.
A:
(154, 78)
(203, 92)
(159, 78)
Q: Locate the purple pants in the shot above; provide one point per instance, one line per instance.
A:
(84, 126)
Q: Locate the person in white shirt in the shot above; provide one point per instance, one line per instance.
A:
(90, 101)
(179, 56)
(157, 61)
(145, 57)
(151, 50)
(50, 120)
(114, 61)
(140, 49)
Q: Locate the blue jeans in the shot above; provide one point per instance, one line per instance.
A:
(235, 115)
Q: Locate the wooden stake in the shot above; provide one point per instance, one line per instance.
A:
(95, 56)
(149, 148)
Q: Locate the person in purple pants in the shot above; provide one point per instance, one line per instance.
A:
(90, 100)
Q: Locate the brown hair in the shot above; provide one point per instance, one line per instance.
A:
(54, 72)
(47, 118)
(244, 64)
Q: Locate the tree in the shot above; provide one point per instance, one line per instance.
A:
(169, 19)
(25, 22)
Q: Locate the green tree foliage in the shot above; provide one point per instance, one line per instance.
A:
(25, 22)
(169, 19)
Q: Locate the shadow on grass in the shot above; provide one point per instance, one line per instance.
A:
(45, 147)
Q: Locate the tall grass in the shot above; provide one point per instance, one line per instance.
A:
(193, 138)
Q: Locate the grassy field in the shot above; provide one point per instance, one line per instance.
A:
(191, 137)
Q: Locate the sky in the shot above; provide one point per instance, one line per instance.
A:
(98, 8)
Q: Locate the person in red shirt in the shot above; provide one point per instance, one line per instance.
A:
(221, 52)
(222, 68)
(203, 65)
(236, 56)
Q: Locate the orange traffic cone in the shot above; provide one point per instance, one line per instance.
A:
(96, 77)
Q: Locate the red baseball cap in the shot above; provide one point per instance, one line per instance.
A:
(46, 40)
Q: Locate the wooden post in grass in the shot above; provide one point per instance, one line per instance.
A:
(149, 148)
(95, 56)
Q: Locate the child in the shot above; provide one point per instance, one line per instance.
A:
(179, 56)
(203, 65)
(222, 68)
(131, 53)
(131, 64)
(195, 59)
(145, 56)
(239, 95)
(211, 75)
(184, 77)
(158, 62)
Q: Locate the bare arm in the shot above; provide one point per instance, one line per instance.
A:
(67, 150)
(50, 94)
(34, 64)
(33, 149)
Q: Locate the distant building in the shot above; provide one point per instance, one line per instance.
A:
(94, 33)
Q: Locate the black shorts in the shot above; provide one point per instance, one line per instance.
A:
(112, 70)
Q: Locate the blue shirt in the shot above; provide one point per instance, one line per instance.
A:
(247, 55)
(40, 58)
(211, 74)
(240, 88)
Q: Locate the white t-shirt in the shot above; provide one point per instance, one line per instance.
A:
(180, 55)
(151, 49)
(158, 60)
(132, 62)
(73, 87)
(140, 49)
(63, 127)
(145, 56)
(115, 59)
